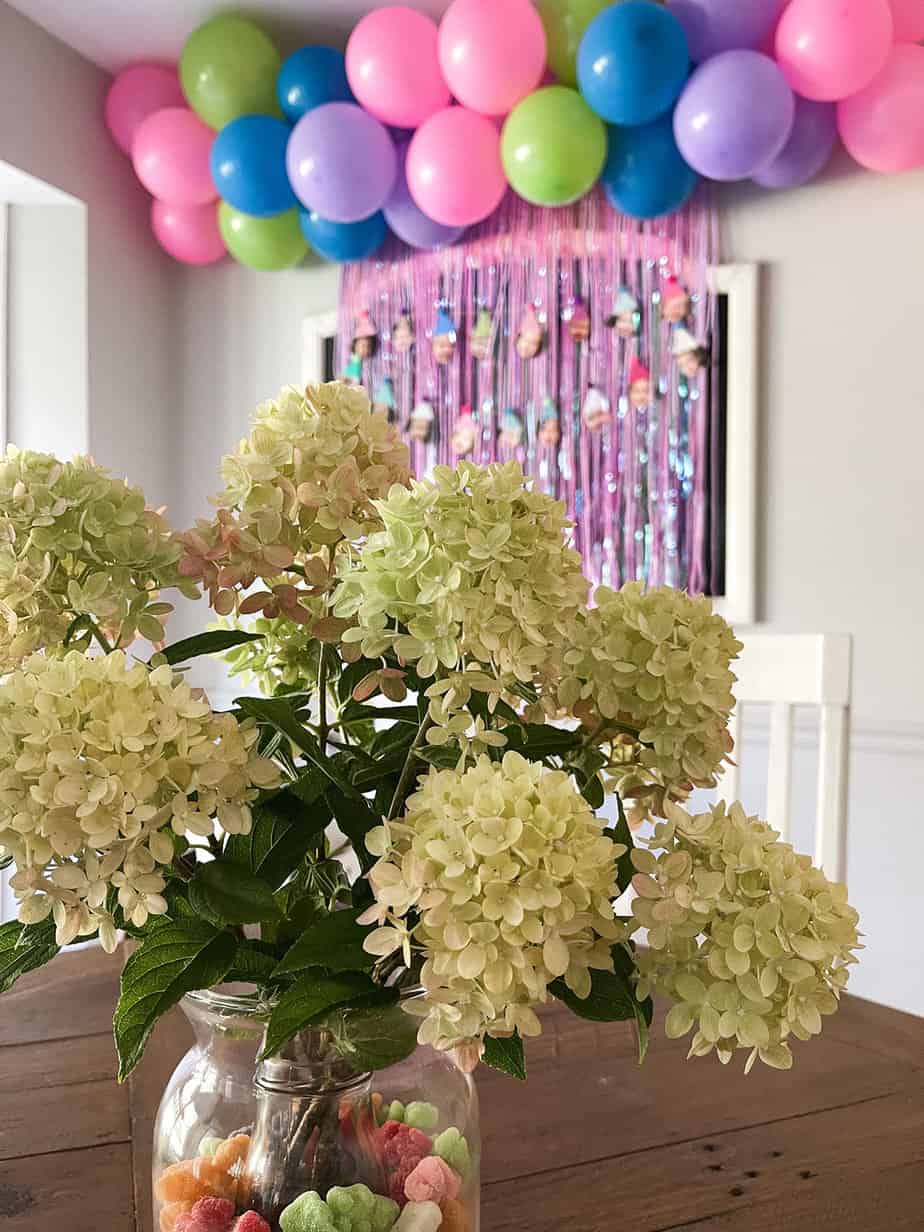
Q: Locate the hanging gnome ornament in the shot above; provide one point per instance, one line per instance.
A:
(511, 430)
(595, 409)
(549, 424)
(365, 336)
(384, 398)
(353, 372)
(675, 302)
(444, 337)
(464, 433)
(420, 423)
(690, 354)
(402, 336)
(530, 337)
(479, 338)
(626, 317)
(639, 385)
(577, 318)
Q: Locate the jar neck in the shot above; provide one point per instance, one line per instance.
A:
(308, 1064)
(221, 1018)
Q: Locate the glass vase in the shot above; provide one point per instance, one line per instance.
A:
(304, 1141)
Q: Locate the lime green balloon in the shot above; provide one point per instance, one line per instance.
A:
(565, 22)
(553, 146)
(262, 243)
(228, 68)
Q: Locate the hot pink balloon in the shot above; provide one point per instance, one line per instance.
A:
(883, 125)
(170, 154)
(492, 53)
(393, 68)
(828, 51)
(136, 93)
(908, 19)
(188, 232)
(454, 170)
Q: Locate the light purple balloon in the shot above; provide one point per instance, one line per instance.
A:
(341, 162)
(407, 219)
(734, 116)
(713, 26)
(810, 145)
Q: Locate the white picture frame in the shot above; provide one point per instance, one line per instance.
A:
(740, 283)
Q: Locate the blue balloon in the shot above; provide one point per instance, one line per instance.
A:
(311, 77)
(645, 174)
(633, 62)
(343, 241)
(248, 163)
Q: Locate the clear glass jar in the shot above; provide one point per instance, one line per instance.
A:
(303, 1126)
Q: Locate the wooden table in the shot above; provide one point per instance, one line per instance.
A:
(591, 1143)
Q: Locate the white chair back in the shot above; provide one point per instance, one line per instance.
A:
(785, 671)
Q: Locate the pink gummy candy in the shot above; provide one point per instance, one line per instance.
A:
(402, 1148)
(211, 1215)
(432, 1181)
(250, 1221)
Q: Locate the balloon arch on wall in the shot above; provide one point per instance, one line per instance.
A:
(420, 129)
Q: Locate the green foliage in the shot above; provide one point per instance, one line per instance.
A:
(506, 1055)
(228, 893)
(612, 998)
(540, 740)
(334, 942)
(277, 712)
(315, 995)
(622, 834)
(374, 1036)
(24, 947)
(285, 826)
(174, 958)
(214, 642)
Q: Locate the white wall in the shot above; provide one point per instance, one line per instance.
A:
(51, 103)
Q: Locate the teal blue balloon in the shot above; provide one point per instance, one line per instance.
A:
(645, 174)
(343, 241)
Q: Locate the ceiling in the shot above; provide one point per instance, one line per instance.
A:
(114, 33)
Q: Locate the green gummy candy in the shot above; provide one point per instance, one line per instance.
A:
(396, 1111)
(345, 1199)
(421, 1116)
(208, 1147)
(451, 1147)
(308, 1213)
(384, 1213)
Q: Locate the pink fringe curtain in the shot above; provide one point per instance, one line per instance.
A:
(506, 364)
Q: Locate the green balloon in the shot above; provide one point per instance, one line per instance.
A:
(565, 22)
(553, 146)
(262, 243)
(228, 68)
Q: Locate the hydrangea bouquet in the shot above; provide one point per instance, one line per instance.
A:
(419, 795)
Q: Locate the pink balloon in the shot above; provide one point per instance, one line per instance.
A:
(393, 68)
(883, 125)
(830, 50)
(908, 19)
(136, 93)
(188, 232)
(454, 170)
(170, 154)
(492, 53)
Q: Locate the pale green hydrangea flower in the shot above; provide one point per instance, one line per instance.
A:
(512, 877)
(100, 759)
(76, 543)
(474, 564)
(650, 672)
(751, 942)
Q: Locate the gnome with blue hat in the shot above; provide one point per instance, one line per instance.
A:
(549, 424)
(384, 398)
(626, 316)
(444, 337)
(353, 372)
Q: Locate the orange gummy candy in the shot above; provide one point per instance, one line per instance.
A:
(454, 1216)
(171, 1213)
(192, 1179)
(232, 1151)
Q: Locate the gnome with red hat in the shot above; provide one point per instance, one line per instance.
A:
(365, 336)
(639, 385)
(675, 302)
(529, 339)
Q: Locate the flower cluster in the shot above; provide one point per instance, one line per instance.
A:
(99, 759)
(650, 671)
(305, 479)
(77, 546)
(751, 942)
(474, 565)
(510, 877)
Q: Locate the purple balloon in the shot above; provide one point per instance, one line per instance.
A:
(734, 116)
(408, 221)
(341, 162)
(810, 145)
(713, 26)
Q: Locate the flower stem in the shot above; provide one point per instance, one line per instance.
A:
(398, 798)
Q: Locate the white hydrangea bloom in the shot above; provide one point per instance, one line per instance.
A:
(748, 938)
(99, 759)
(511, 877)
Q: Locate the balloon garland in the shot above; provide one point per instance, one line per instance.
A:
(420, 129)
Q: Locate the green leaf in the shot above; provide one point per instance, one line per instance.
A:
(592, 790)
(174, 959)
(611, 998)
(284, 829)
(506, 1055)
(252, 964)
(622, 834)
(312, 997)
(207, 643)
(279, 714)
(352, 674)
(24, 947)
(624, 962)
(373, 1037)
(355, 818)
(538, 740)
(335, 942)
(230, 894)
